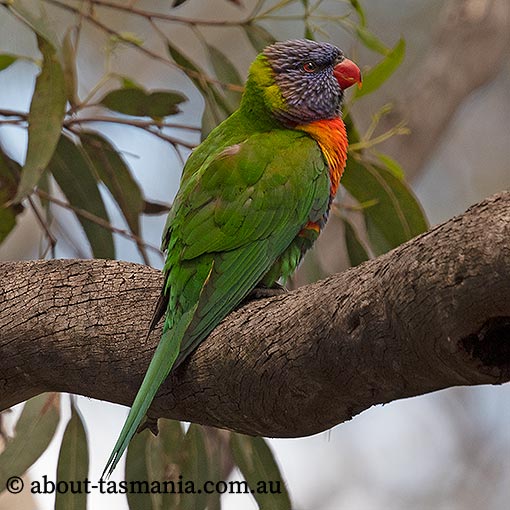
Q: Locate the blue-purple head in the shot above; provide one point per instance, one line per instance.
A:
(308, 80)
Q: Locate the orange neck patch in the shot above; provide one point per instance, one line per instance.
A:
(331, 136)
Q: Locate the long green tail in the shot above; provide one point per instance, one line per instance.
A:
(159, 368)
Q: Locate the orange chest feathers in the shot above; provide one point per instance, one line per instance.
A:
(332, 139)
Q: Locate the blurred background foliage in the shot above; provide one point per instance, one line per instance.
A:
(100, 105)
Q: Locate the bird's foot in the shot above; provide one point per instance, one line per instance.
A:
(261, 292)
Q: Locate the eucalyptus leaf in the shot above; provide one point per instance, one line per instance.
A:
(139, 103)
(7, 219)
(69, 67)
(110, 167)
(259, 468)
(258, 36)
(169, 443)
(226, 72)
(211, 96)
(208, 122)
(391, 165)
(194, 467)
(7, 60)
(355, 248)
(374, 78)
(9, 175)
(73, 463)
(41, 24)
(71, 169)
(34, 430)
(357, 7)
(352, 133)
(220, 461)
(45, 119)
(136, 471)
(129, 83)
(395, 215)
(371, 41)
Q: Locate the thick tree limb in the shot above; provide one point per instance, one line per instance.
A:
(431, 314)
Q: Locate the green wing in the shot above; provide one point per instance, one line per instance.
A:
(231, 220)
(237, 216)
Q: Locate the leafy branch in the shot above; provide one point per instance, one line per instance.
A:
(70, 152)
(132, 105)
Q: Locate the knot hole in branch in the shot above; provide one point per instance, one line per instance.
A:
(491, 344)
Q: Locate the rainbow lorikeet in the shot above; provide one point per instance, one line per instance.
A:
(254, 196)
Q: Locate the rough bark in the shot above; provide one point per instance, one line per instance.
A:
(470, 48)
(431, 314)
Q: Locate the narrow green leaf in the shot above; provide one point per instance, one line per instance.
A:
(73, 463)
(208, 122)
(125, 37)
(355, 249)
(357, 7)
(7, 220)
(110, 167)
(396, 215)
(374, 78)
(210, 94)
(129, 83)
(258, 36)
(45, 186)
(194, 465)
(170, 442)
(155, 459)
(69, 66)
(45, 119)
(34, 431)
(220, 461)
(259, 468)
(136, 471)
(391, 165)
(223, 67)
(73, 174)
(379, 242)
(187, 64)
(9, 175)
(226, 72)
(309, 33)
(352, 133)
(7, 60)
(139, 103)
(41, 24)
(371, 41)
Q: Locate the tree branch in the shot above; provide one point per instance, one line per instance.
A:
(431, 314)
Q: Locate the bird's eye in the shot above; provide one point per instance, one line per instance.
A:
(310, 67)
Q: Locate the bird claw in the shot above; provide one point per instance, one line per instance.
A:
(262, 292)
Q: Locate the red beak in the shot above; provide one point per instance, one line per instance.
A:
(347, 73)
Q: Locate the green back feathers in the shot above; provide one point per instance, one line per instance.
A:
(255, 198)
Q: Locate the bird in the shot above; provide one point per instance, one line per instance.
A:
(253, 198)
